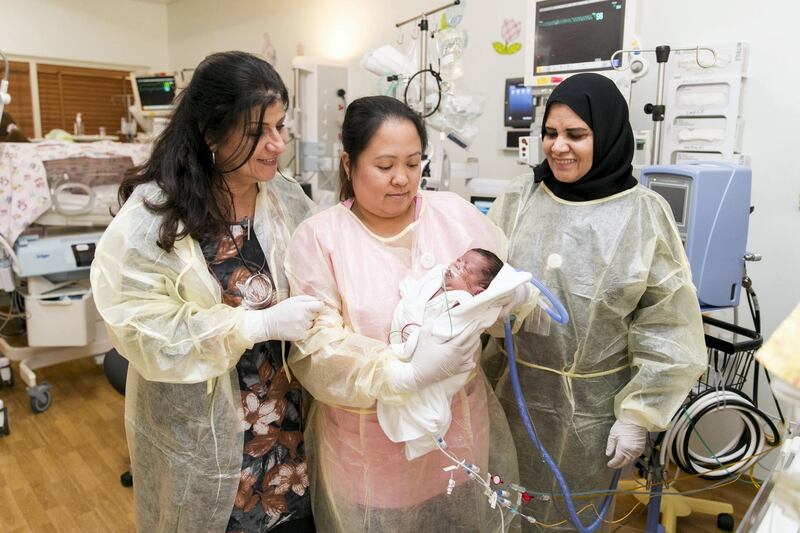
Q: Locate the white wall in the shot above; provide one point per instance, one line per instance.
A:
(107, 32)
(345, 30)
(771, 117)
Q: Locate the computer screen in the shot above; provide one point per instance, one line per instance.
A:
(518, 104)
(156, 92)
(575, 36)
(676, 198)
(483, 203)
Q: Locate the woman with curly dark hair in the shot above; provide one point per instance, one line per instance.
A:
(188, 277)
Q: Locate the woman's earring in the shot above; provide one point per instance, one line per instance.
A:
(213, 158)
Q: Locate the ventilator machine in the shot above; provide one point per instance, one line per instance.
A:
(711, 206)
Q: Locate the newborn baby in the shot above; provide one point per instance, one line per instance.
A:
(472, 272)
(467, 294)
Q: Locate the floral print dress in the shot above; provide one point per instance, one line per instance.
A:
(273, 488)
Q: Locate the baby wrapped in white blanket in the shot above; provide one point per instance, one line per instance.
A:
(469, 295)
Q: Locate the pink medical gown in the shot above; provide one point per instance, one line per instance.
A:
(360, 480)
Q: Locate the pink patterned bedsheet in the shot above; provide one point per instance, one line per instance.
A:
(24, 190)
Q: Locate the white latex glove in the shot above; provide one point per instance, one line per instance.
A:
(517, 299)
(288, 320)
(435, 359)
(626, 442)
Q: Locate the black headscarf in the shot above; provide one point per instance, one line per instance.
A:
(599, 103)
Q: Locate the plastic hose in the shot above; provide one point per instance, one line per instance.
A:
(528, 423)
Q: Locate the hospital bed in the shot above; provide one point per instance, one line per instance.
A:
(55, 200)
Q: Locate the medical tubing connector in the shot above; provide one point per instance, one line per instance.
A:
(559, 313)
(528, 423)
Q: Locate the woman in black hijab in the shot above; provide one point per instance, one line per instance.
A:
(609, 249)
(597, 101)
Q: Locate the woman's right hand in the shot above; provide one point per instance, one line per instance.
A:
(436, 358)
(288, 320)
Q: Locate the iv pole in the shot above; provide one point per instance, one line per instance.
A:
(658, 110)
(423, 47)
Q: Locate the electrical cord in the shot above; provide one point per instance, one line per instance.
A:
(755, 313)
(738, 455)
(9, 250)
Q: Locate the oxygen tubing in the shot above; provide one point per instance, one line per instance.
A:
(558, 313)
(560, 316)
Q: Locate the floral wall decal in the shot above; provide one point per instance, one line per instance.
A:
(509, 32)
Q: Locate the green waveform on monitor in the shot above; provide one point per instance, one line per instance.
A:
(571, 20)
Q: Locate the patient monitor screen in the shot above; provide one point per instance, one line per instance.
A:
(518, 104)
(676, 198)
(577, 35)
(156, 92)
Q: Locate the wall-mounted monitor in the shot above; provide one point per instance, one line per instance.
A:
(568, 36)
(518, 105)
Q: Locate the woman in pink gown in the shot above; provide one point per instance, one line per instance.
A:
(352, 257)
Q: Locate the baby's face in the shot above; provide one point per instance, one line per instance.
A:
(466, 273)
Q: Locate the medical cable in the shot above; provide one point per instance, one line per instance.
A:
(9, 250)
(665, 484)
(722, 384)
(738, 455)
(16, 309)
(447, 304)
(546, 496)
(497, 497)
(755, 313)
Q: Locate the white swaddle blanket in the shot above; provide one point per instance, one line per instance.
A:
(427, 411)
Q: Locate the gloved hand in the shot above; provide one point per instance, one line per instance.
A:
(517, 299)
(288, 320)
(435, 359)
(626, 442)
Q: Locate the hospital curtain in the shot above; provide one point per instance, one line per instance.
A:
(98, 94)
(19, 87)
